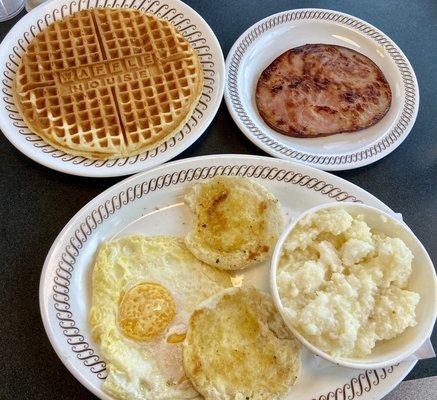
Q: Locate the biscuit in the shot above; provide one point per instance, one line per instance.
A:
(236, 222)
(237, 347)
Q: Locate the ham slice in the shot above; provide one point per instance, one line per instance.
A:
(320, 90)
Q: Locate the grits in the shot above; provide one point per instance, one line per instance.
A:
(342, 284)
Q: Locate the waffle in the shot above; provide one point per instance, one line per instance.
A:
(106, 83)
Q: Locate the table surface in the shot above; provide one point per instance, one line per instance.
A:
(38, 202)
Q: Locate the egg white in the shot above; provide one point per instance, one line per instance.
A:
(147, 369)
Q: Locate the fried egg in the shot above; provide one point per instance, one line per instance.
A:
(236, 222)
(238, 347)
(144, 290)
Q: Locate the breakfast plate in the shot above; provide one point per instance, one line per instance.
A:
(190, 24)
(259, 45)
(151, 203)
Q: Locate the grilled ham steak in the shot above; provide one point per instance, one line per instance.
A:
(319, 90)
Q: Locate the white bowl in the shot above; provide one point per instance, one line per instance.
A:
(423, 281)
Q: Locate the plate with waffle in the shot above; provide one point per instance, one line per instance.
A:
(100, 88)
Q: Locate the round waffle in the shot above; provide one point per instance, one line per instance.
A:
(106, 83)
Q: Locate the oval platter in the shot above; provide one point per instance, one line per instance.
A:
(151, 203)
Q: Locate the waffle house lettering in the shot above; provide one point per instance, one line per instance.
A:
(66, 76)
(99, 70)
(116, 67)
(107, 73)
(83, 73)
(77, 87)
(133, 63)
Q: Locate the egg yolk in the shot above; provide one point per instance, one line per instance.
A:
(145, 311)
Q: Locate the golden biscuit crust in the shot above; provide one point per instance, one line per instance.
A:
(236, 222)
(237, 347)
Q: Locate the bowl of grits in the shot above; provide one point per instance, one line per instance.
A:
(354, 285)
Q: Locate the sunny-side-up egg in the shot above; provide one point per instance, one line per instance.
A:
(144, 290)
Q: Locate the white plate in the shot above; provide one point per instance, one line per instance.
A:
(258, 46)
(184, 18)
(151, 203)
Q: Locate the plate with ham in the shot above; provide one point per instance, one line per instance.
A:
(321, 87)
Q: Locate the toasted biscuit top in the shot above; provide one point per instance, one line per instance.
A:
(236, 222)
(237, 347)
